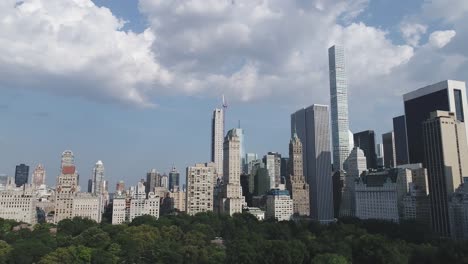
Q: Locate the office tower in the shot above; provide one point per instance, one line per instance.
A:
(338, 106)
(249, 157)
(67, 187)
(296, 183)
(174, 178)
(98, 178)
(120, 187)
(165, 181)
(90, 185)
(200, 188)
(355, 165)
(21, 175)
(231, 191)
(446, 96)
(388, 140)
(312, 128)
(217, 139)
(446, 160)
(284, 169)
(416, 202)
(380, 155)
(261, 179)
(153, 180)
(458, 212)
(273, 164)
(365, 140)
(245, 184)
(38, 176)
(279, 204)
(240, 133)
(338, 179)
(401, 144)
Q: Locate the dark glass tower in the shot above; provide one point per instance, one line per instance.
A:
(365, 140)
(174, 177)
(21, 175)
(401, 146)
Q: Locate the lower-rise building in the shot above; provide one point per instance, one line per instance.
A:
(119, 211)
(255, 211)
(149, 206)
(279, 204)
(458, 212)
(178, 198)
(87, 205)
(18, 204)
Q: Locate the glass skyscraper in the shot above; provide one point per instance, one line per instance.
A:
(339, 106)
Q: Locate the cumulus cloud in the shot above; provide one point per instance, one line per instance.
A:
(247, 49)
(439, 39)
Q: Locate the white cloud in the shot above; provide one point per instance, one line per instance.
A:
(439, 39)
(412, 33)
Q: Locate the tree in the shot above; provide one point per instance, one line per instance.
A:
(329, 258)
(73, 254)
(5, 250)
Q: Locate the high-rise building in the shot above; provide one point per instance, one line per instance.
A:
(365, 140)
(401, 144)
(38, 176)
(19, 205)
(231, 191)
(87, 205)
(261, 179)
(446, 96)
(240, 133)
(284, 169)
(174, 178)
(249, 157)
(312, 126)
(67, 187)
(273, 164)
(355, 165)
(458, 213)
(446, 160)
(416, 202)
(338, 106)
(165, 181)
(380, 155)
(98, 178)
(200, 188)
(178, 197)
(153, 180)
(388, 140)
(296, 182)
(217, 139)
(21, 175)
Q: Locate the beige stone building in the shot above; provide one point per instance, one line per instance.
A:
(178, 197)
(296, 182)
(446, 160)
(199, 193)
(87, 205)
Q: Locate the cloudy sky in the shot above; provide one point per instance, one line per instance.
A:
(133, 83)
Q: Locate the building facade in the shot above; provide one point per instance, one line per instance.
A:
(18, 204)
(296, 183)
(279, 204)
(273, 164)
(446, 160)
(199, 194)
(217, 139)
(401, 143)
(87, 205)
(388, 140)
(66, 188)
(98, 179)
(153, 180)
(21, 175)
(338, 106)
(147, 206)
(38, 176)
(355, 165)
(231, 199)
(174, 178)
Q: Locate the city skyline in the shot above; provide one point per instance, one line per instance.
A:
(96, 114)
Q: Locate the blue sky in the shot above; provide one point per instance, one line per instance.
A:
(133, 83)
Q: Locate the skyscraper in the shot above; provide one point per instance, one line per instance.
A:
(98, 178)
(446, 96)
(217, 138)
(312, 126)
(38, 176)
(273, 164)
(380, 154)
(388, 140)
(296, 182)
(231, 199)
(240, 133)
(174, 178)
(120, 187)
(153, 179)
(21, 175)
(401, 144)
(199, 195)
(339, 106)
(365, 140)
(249, 157)
(446, 160)
(67, 187)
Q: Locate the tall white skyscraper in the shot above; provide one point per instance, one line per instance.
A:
(240, 134)
(98, 178)
(217, 139)
(339, 106)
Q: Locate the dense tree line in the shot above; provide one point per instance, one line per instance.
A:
(208, 238)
